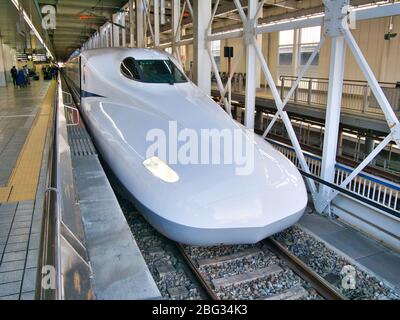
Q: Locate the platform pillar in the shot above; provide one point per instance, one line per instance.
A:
(116, 29)
(140, 19)
(259, 120)
(340, 142)
(251, 65)
(156, 5)
(369, 145)
(176, 35)
(202, 63)
(332, 29)
(2, 66)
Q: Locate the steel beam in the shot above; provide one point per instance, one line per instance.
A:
(162, 11)
(132, 23)
(123, 23)
(140, 21)
(116, 29)
(156, 5)
(390, 116)
(175, 23)
(312, 21)
(251, 64)
(202, 63)
(332, 121)
(334, 15)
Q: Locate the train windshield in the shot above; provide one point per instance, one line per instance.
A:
(152, 71)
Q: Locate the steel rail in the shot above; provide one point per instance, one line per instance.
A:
(323, 287)
(192, 265)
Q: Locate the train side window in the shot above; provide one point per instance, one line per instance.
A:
(129, 69)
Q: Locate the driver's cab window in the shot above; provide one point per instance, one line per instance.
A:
(129, 69)
(152, 71)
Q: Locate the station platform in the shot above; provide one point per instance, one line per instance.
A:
(352, 118)
(99, 258)
(97, 241)
(363, 251)
(117, 265)
(25, 116)
(18, 109)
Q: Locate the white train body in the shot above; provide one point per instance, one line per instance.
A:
(209, 204)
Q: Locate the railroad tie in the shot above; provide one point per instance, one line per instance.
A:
(246, 277)
(216, 261)
(295, 293)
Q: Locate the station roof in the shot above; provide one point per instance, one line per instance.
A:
(77, 20)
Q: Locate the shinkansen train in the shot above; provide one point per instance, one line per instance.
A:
(128, 97)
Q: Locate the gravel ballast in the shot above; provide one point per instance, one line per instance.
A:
(330, 265)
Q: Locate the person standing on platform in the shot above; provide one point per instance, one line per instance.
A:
(54, 72)
(26, 71)
(14, 72)
(21, 79)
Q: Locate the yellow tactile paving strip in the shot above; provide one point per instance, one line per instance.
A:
(4, 194)
(22, 185)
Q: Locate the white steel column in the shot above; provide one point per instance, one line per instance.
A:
(176, 35)
(102, 38)
(123, 31)
(259, 40)
(140, 20)
(296, 51)
(156, 5)
(332, 28)
(201, 61)
(115, 29)
(333, 110)
(251, 65)
(110, 35)
(132, 24)
(162, 11)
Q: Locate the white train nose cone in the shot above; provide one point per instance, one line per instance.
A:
(240, 219)
(235, 210)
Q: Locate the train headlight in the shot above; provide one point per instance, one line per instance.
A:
(161, 170)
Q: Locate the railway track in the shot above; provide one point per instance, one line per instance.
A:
(266, 270)
(260, 265)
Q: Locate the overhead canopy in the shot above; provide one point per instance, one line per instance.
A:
(77, 20)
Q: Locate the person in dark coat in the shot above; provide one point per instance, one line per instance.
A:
(14, 72)
(21, 78)
(54, 72)
(27, 79)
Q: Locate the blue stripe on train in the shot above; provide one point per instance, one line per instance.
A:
(86, 94)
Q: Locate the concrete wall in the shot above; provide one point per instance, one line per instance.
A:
(2, 66)
(7, 60)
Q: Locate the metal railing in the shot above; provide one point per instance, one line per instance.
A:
(357, 95)
(49, 253)
(63, 271)
(73, 117)
(238, 81)
(377, 190)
